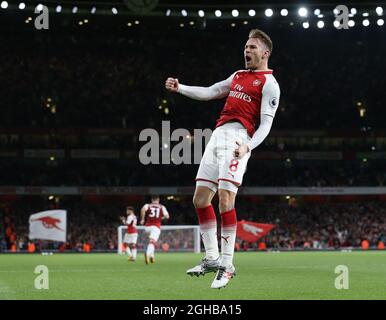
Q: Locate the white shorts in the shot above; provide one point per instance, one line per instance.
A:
(218, 168)
(130, 238)
(153, 232)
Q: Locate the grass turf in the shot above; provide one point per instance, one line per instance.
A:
(286, 275)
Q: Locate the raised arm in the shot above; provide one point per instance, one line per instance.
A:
(216, 91)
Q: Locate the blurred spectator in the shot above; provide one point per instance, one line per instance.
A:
(306, 226)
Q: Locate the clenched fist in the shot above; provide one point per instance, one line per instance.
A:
(171, 84)
(241, 150)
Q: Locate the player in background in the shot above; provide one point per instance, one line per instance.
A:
(131, 236)
(154, 213)
(252, 100)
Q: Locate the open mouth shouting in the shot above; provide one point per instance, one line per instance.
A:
(248, 61)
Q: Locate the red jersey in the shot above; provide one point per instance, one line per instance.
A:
(131, 223)
(154, 214)
(251, 92)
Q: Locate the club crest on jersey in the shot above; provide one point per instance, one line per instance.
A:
(273, 102)
(256, 83)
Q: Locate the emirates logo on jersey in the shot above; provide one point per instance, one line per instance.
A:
(256, 83)
(240, 95)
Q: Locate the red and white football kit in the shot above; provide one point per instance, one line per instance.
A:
(252, 99)
(154, 214)
(131, 235)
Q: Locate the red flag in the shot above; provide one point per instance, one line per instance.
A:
(251, 231)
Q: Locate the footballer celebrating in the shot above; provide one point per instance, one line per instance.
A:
(252, 98)
(154, 213)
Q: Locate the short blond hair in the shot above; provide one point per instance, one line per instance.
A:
(258, 34)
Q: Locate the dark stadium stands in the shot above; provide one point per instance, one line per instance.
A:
(72, 105)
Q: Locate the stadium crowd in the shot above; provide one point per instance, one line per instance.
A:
(298, 226)
(114, 173)
(86, 80)
(102, 79)
(331, 225)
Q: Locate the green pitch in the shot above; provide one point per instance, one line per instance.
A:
(303, 275)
